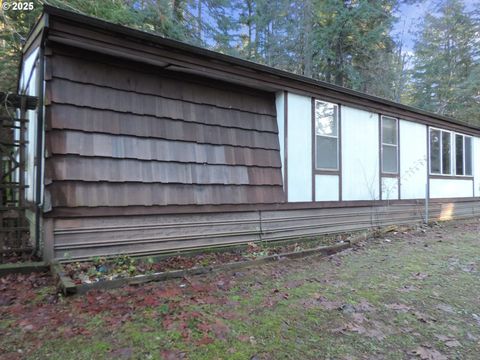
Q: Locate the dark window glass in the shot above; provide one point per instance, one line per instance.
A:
(389, 158)
(435, 152)
(326, 152)
(459, 154)
(446, 153)
(389, 145)
(468, 156)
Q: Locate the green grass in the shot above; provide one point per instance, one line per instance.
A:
(283, 310)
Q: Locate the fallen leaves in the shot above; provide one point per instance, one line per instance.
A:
(172, 354)
(424, 317)
(407, 288)
(398, 307)
(233, 311)
(428, 353)
(292, 284)
(419, 276)
(325, 303)
(452, 343)
(446, 308)
(122, 353)
(364, 306)
(448, 340)
(362, 326)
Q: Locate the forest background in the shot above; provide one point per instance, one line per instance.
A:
(430, 60)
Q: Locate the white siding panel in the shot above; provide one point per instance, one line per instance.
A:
(326, 188)
(389, 188)
(450, 188)
(28, 64)
(280, 104)
(360, 155)
(413, 160)
(28, 85)
(299, 148)
(476, 164)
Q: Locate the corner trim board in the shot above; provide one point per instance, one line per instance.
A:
(314, 145)
(285, 142)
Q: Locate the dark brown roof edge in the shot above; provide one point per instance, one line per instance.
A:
(141, 35)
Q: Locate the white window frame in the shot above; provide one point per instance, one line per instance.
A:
(337, 137)
(463, 157)
(453, 153)
(392, 145)
(452, 158)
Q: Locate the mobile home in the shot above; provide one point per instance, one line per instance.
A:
(144, 145)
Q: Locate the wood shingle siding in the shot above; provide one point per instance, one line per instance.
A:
(91, 194)
(66, 142)
(120, 101)
(136, 79)
(126, 170)
(119, 137)
(89, 119)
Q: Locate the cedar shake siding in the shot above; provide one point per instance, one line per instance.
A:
(119, 135)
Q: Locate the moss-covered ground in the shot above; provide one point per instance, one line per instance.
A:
(408, 295)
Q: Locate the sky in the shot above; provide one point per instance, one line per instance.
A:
(411, 14)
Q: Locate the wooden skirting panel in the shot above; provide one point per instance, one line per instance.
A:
(81, 238)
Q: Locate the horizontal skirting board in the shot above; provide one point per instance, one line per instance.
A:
(82, 238)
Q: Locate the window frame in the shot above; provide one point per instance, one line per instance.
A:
(337, 137)
(441, 173)
(464, 158)
(453, 154)
(397, 145)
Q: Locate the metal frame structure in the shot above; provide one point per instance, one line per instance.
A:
(14, 225)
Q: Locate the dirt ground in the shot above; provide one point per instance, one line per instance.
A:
(409, 295)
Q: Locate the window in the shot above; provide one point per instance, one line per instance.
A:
(463, 155)
(468, 155)
(389, 148)
(459, 168)
(446, 152)
(450, 153)
(440, 152)
(435, 150)
(326, 136)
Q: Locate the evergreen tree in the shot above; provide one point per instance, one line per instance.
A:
(346, 42)
(352, 39)
(14, 29)
(445, 74)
